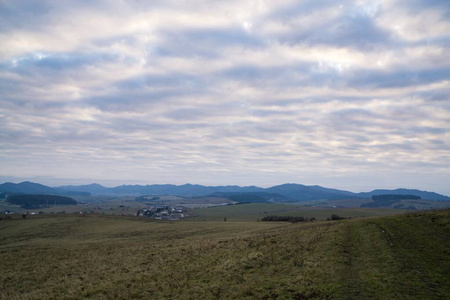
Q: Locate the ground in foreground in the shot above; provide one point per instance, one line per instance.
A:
(395, 257)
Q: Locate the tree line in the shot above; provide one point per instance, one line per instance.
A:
(36, 201)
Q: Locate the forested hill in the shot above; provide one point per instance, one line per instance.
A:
(32, 201)
(28, 187)
(421, 194)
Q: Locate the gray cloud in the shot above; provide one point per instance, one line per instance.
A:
(204, 42)
(358, 31)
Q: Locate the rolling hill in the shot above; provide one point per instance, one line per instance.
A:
(32, 188)
(301, 192)
(111, 257)
(421, 194)
(281, 193)
(36, 200)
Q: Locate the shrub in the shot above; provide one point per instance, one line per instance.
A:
(336, 217)
(283, 219)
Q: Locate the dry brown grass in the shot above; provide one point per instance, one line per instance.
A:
(74, 257)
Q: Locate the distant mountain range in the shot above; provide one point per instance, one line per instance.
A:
(280, 193)
(421, 194)
(28, 187)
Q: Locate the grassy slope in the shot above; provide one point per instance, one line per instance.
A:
(397, 257)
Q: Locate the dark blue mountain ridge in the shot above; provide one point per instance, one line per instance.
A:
(93, 188)
(289, 191)
(180, 190)
(414, 192)
(301, 192)
(26, 187)
(32, 188)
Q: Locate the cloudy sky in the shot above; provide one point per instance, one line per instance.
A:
(345, 94)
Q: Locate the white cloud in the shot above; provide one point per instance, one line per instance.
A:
(412, 25)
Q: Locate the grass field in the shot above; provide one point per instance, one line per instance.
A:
(255, 211)
(106, 257)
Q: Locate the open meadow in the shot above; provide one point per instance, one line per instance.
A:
(250, 212)
(405, 256)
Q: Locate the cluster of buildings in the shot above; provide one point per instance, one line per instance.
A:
(160, 212)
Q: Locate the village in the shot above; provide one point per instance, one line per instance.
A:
(155, 211)
(161, 212)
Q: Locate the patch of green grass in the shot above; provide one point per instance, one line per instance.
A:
(398, 257)
(241, 212)
(255, 211)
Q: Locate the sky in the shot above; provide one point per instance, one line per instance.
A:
(346, 94)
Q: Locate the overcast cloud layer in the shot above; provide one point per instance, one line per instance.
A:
(347, 94)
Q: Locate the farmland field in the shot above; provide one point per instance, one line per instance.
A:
(255, 211)
(103, 257)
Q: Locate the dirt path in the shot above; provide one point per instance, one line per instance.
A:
(351, 284)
